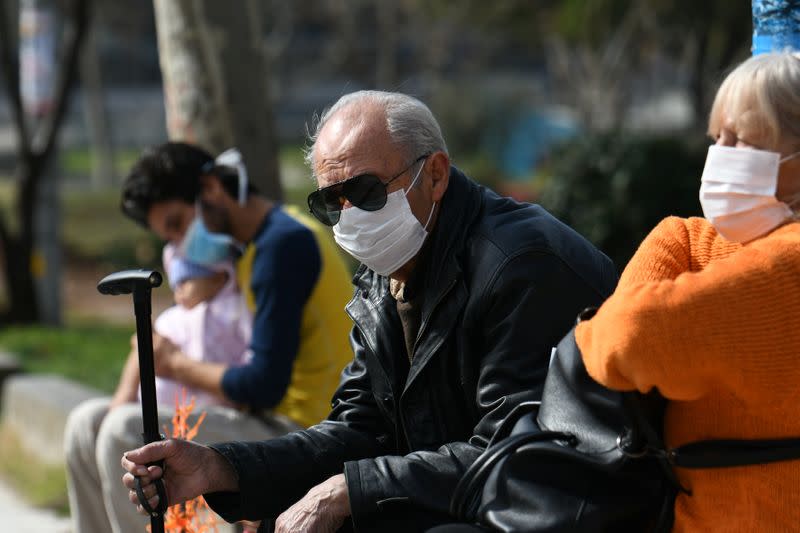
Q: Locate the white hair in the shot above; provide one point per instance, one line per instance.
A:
(409, 122)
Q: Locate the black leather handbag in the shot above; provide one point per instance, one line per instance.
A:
(587, 458)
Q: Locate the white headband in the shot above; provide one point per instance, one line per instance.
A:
(233, 158)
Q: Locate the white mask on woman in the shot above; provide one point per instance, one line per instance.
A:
(385, 239)
(737, 192)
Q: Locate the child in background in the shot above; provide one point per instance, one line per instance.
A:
(210, 322)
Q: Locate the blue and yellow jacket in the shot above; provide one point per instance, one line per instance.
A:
(296, 284)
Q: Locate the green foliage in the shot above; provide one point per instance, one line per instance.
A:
(78, 161)
(615, 188)
(92, 354)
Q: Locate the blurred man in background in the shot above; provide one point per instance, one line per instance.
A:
(296, 285)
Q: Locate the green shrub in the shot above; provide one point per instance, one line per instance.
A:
(615, 188)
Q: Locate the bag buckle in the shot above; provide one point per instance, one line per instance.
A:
(625, 445)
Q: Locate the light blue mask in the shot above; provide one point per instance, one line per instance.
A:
(205, 247)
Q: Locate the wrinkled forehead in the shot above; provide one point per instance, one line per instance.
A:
(349, 144)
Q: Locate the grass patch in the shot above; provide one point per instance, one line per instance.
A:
(78, 161)
(88, 353)
(40, 484)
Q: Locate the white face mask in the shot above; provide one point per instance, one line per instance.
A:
(737, 192)
(385, 239)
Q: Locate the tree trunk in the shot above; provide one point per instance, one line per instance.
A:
(215, 82)
(34, 152)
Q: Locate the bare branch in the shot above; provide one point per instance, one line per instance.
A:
(45, 136)
(12, 81)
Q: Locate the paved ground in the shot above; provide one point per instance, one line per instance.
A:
(19, 517)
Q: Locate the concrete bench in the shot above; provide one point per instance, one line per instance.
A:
(36, 406)
(8, 367)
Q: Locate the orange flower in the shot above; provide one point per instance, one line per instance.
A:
(193, 516)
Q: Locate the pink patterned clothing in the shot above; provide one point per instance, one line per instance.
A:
(216, 331)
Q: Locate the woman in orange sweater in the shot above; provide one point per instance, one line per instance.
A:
(707, 309)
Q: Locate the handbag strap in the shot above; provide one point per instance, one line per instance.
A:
(712, 453)
(463, 503)
(725, 453)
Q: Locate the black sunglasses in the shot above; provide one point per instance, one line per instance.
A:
(365, 191)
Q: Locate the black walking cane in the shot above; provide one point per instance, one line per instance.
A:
(140, 282)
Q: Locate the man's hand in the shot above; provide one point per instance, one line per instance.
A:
(322, 510)
(165, 356)
(192, 470)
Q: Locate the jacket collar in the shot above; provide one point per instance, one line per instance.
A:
(373, 305)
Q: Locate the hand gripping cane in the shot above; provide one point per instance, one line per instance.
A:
(140, 282)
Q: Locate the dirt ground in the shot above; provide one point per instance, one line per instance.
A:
(83, 301)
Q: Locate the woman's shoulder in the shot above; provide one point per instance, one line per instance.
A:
(780, 243)
(689, 244)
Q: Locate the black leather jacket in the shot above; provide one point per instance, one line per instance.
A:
(504, 282)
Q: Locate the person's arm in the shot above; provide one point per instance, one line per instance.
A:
(171, 363)
(128, 386)
(275, 473)
(285, 272)
(724, 325)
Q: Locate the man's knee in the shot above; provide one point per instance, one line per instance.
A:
(121, 430)
(82, 425)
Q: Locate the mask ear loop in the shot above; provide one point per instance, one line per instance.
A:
(793, 200)
(433, 207)
(419, 172)
(789, 157)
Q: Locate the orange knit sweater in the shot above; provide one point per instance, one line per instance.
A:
(716, 327)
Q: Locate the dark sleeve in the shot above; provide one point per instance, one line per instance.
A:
(273, 474)
(529, 307)
(285, 270)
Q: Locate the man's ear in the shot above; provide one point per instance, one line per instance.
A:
(439, 171)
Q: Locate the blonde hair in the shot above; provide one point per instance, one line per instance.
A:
(760, 98)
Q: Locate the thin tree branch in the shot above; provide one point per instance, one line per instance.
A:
(45, 136)
(12, 81)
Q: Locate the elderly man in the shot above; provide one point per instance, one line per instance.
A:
(459, 299)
